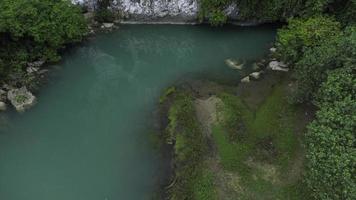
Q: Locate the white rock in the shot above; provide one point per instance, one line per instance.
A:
(273, 50)
(2, 106)
(278, 66)
(256, 75)
(32, 69)
(21, 98)
(246, 79)
(234, 64)
(108, 25)
(36, 64)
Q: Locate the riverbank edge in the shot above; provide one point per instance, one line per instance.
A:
(188, 91)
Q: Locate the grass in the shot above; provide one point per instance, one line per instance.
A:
(204, 188)
(169, 91)
(259, 145)
(256, 146)
(189, 144)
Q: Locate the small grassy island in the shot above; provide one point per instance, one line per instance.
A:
(286, 131)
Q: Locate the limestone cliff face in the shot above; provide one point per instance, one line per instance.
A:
(158, 10)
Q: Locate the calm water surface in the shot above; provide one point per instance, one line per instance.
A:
(87, 138)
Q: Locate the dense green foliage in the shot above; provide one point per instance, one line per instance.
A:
(269, 10)
(278, 10)
(331, 138)
(312, 46)
(343, 10)
(33, 30)
(303, 34)
(103, 14)
(213, 10)
(321, 50)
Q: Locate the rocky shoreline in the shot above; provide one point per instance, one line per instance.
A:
(17, 91)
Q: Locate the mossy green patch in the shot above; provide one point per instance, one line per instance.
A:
(189, 144)
(204, 188)
(166, 94)
(259, 145)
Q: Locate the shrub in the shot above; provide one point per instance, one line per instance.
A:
(312, 47)
(331, 154)
(213, 11)
(103, 13)
(37, 29)
(303, 34)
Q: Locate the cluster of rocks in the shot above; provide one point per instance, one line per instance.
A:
(259, 67)
(253, 75)
(21, 98)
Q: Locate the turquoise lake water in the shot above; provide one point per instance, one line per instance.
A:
(88, 136)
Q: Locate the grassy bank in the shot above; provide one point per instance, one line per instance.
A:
(252, 150)
(260, 146)
(190, 180)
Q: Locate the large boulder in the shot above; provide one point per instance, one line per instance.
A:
(278, 66)
(21, 98)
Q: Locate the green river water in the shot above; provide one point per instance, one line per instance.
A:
(88, 136)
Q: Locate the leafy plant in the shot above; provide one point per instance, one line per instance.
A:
(331, 155)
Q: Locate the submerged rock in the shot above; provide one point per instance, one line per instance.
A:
(246, 79)
(21, 98)
(278, 66)
(234, 64)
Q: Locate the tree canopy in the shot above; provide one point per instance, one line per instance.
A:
(36, 29)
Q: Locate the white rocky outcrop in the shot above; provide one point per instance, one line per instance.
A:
(21, 98)
(158, 10)
(149, 10)
(278, 66)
